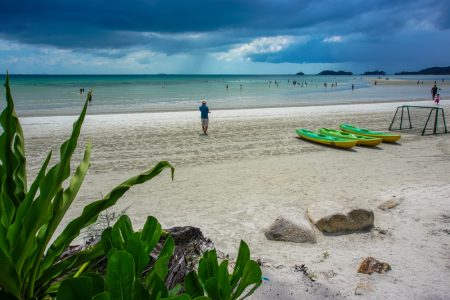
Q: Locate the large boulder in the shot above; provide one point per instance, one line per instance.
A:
(332, 217)
(291, 227)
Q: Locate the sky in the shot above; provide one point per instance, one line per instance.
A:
(222, 37)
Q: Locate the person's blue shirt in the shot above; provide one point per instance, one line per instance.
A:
(204, 111)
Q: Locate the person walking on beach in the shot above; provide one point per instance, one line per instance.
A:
(434, 90)
(204, 111)
(437, 99)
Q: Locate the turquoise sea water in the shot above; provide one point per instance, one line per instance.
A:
(60, 94)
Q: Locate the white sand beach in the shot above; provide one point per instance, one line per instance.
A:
(233, 183)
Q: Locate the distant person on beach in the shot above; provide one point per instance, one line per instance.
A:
(90, 98)
(353, 87)
(437, 99)
(434, 90)
(81, 91)
(204, 111)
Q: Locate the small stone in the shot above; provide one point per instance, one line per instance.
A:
(291, 227)
(391, 203)
(370, 265)
(332, 217)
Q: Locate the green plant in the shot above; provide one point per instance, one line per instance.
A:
(128, 255)
(214, 282)
(30, 216)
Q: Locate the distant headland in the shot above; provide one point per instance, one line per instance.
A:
(375, 73)
(333, 73)
(428, 71)
(329, 72)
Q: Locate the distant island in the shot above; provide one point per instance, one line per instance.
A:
(333, 73)
(300, 73)
(428, 71)
(375, 73)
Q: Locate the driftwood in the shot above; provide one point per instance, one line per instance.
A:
(190, 244)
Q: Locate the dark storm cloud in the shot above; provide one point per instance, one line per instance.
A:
(188, 26)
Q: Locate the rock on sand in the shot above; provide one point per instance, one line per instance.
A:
(332, 217)
(291, 227)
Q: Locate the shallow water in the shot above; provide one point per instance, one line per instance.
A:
(60, 94)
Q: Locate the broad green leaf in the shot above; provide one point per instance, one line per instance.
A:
(168, 247)
(251, 276)
(208, 265)
(192, 285)
(212, 288)
(60, 209)
(157, 288)
(121, 231)
(12, 152)
(76, 289)
(15, 234)
(120, 276)
(9, 279)
(136, 248)
(161, 267)
(8, 211)
(159, 270)
(140, 292)
(151, 233)
(202, 298)
(223, 280)
(98, 283)
(4, 245)
(241, 261)
(105, 239)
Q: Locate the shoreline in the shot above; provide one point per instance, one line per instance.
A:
(29, 115)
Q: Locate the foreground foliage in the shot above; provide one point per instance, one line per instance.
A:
(29, 217)
(34, 268)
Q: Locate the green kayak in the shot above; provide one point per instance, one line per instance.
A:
(360, 139)
(386, 137)
(325, 139)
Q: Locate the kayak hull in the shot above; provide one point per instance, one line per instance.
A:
(360, 139)
(386, 137)
(324, 139)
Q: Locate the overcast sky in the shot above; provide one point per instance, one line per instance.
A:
(222, 37)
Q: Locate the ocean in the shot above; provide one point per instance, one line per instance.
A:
(47, 95)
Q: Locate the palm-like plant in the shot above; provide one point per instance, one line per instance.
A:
(30, 216)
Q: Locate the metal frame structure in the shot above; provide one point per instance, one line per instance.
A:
(432, 109)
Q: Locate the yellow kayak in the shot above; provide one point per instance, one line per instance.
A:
(325, 139)
(386, 137)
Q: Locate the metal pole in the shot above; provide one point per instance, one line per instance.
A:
(401, 118)
(390, 126)
(443, 117)
(429, 115)
(435, 120)
(409, 117)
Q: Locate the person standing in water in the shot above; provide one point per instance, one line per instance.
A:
(204, 111)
